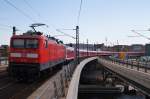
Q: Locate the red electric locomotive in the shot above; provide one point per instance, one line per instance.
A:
(32, 52)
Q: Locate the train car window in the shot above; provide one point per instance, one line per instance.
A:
(46, 43)
(18, 43)
(33, 43)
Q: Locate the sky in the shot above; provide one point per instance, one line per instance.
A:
(101, 21)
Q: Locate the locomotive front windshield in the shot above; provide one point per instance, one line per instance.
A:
(25, 43)
(31, 43)
(18, 43)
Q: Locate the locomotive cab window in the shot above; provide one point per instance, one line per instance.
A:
(33, 43)
(46, 44)
(25, 43)
(18, 43)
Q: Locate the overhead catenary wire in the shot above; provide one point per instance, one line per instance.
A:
(78, 19)
(37, 13)
(39, 16)
(2, 28)
(79, 16)
(79, 12)
(140, 34)
(65, 34)
(6, 26)
(23, 13)
(32, 8)
(30, 18)
(134, 36)
(19, 10)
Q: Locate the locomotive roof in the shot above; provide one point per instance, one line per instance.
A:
(35, 35)
(26, 36)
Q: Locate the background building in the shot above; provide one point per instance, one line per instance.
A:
(4, 50)
(147, 49)
(137, 48)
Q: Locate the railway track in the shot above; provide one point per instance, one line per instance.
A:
(11, 89)
(3, 75)
(3, 70)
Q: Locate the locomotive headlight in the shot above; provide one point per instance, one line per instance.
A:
(32, 55)
(15, 54)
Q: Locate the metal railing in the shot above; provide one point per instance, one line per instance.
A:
(130, 72)
(145, 66)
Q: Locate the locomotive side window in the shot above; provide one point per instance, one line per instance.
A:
(46, 44)
(31, 43)
(18, 43)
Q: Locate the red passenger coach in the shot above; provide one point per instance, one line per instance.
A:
(32, 52)
(70, 53)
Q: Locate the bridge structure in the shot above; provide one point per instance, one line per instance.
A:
(70, 76)
(135, 75)
(73, 87)
(138, 76)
